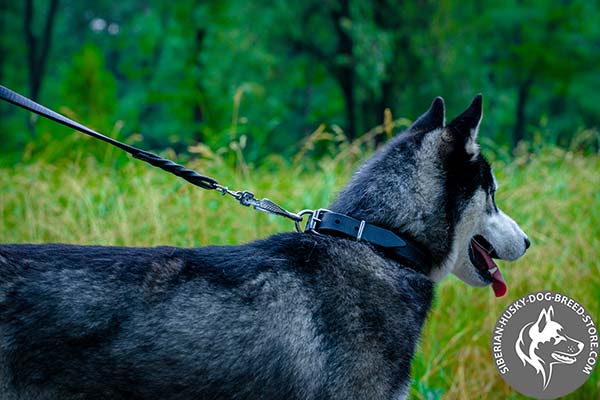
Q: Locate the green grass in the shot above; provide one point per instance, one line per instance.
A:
(554, 195)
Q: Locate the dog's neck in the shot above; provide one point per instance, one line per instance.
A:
(385, 242)
(404, 206)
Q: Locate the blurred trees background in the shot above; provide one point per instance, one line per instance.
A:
(265, 74)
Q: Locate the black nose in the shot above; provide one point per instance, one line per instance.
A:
(527, 243)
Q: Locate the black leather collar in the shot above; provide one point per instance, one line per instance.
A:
(401, 249)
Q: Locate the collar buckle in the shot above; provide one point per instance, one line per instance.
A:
(314, 219)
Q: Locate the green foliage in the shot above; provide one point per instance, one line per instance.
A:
(184, 72)
(89, 90)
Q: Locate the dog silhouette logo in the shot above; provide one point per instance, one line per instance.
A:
(545, 345)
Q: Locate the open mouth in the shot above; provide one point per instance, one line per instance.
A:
(481, 254)
(563, 358)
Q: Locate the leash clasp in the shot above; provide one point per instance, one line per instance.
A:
(265, 205)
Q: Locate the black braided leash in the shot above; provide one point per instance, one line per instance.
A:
(244, 197)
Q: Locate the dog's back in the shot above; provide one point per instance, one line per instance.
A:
(293, 316)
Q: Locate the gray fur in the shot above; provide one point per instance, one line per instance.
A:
(294, 316)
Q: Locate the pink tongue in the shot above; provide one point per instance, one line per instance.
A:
(498, 283)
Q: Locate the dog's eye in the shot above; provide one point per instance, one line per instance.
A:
(557, 339)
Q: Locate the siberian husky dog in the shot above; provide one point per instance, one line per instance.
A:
(314, 315)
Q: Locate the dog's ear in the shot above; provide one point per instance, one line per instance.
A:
(544, 318)
(434, 118)
(462, 131)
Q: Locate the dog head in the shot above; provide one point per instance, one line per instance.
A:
(432, 184)
(544, 343)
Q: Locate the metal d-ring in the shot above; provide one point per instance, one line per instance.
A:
(301, 214)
